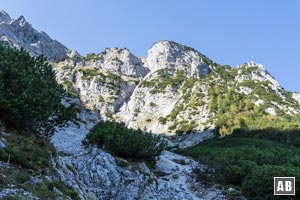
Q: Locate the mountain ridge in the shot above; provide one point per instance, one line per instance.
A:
(166, 92)
(19, 33)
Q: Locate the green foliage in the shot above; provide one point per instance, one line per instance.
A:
(185, 127)
(125, 142)
(173, 126)
(193, 102)
(89, 73)
(65, 190)
(235, 174)
(289, 97)
(207, 60)
(162, 120)
(13, 175)
(260, 184)
(29, 93)
(188, 84)
(30, 102)
(249, 160)
(265, 92)
(152, 104)
(92, 56)
(115, 59)
(226, 72)
(166, 77)
(248, 70)
(287, 133)
(255, 121)
(108, 79)
(70, 88)
(27, 151)
(101, 99)
(176, 110)
(21, 178)
(229, 106)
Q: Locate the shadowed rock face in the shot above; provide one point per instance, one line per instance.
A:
(19, 33)
(4, 17)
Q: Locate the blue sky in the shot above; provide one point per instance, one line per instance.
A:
(229, 32)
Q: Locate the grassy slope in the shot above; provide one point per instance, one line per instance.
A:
(29, 156)
(248, 161)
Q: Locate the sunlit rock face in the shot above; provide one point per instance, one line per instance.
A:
(19, 33)
(296, 96)
(171, 55)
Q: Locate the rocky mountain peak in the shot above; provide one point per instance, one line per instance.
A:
(117, 60)
(171, 55)
(122, 54)
(19, 33)
(170, 45)
(252, 64)
(21, 21)
(4, 17)
(257, 72)
(254, 67)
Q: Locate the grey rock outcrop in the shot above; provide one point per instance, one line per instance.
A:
(19, 33)
(4, 17)
(103, 81)
(16, 194)
(171, 55)
(162, 89)
(95, 174)
(259, 74)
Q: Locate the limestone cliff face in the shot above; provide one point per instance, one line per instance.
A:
(169, 91)
(252, 71)
(296, 96)
(154, 102)
(102, 81)
(171, 55)
(19, 33)
(140, 92)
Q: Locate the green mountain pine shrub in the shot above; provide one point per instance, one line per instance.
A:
(30, 97)
(126, 142)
